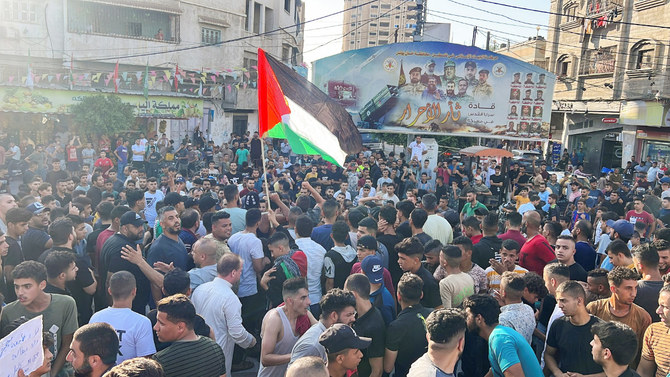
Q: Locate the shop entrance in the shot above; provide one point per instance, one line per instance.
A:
(612, 152)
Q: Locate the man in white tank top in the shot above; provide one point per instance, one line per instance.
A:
(278, 331)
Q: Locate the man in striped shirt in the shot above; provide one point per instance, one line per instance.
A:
(508, 257)
(655, 360)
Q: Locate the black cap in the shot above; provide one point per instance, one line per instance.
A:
(191, 202)
(340, 337)
(173, 198)
(207, 202)
(368, 242)
(132, 218)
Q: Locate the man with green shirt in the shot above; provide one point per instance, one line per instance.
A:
(471, 205)
(59, 312)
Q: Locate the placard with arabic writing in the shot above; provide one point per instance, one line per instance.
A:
(439, 88)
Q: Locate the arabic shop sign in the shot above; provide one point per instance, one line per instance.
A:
(59, 101)
(439, 88)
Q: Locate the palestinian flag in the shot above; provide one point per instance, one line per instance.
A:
(290, 107)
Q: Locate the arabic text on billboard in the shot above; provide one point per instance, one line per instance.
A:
(435, 87)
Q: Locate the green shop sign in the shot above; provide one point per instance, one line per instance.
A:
(20, 99)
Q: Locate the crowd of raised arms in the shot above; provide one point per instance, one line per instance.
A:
(150, 257)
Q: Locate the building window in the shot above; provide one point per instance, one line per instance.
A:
(598, 61)
(383, 33)
(386, 6)
(269, 19)
(117, 21)
(287, 6)
(372, 43)
(257, 18)
(209, 36)
(642, 54)
(563, 66)
(249, 63)
(570, 13)
(373, 34)
(20, 11)
(247, 12)
(384, 24)
(383, 42)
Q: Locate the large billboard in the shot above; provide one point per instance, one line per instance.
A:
(439, 88)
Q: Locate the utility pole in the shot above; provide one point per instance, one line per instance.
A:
(420, 19)
(474, 35)
(488, 41)
(395, 35)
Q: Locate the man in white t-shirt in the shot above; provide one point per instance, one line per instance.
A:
(138, 151)
(417, 149)
(134, 330)
(151, 197)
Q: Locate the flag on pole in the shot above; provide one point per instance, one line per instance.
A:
(71, 76)
(146, 81)
(29, 79)
(402, 80)
(116, 76)
(176, 72)
(290, 107)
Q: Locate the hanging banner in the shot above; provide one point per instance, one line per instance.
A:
(439, 88)
(59, 102)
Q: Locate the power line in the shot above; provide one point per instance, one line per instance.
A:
(229, 40)
(563, 14)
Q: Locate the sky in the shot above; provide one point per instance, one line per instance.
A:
(324, 37)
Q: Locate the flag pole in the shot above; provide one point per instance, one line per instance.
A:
(265, 175)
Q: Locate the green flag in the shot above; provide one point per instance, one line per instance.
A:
(146, 81)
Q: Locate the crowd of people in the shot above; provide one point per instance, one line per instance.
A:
(159, 260)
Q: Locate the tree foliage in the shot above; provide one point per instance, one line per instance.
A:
(102, 114)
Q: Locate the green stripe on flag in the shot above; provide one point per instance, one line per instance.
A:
(298, 144)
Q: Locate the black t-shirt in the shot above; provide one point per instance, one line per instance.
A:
(431, 289)
(485, 249)
(617, 207)
(573, 345)
(336, 176)
(53, 289)
(524, 179)
(495, 190)
(199, 326)
(647, 297)
(548, 305)
(390, 240)
(14, 253)
(407, 335)
(370, 325)
(111, 261)
(83, 279)
(234, 178)
(32, 243)
(577, 272)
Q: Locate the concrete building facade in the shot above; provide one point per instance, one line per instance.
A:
(378, 23)
(175, 40)
(611, 96)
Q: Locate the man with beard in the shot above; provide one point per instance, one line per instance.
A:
(168, 247)
(36, 239)
(446, 339)
(430, 73)
(471, 73)
(432, 92)
(483, 90)
(462, 94)
(450, 72)
(93, 350)
(219, 305)
(131, 229)
(451, 90)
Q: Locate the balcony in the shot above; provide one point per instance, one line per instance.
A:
(600, 61)
(599, 7)
(134, 20)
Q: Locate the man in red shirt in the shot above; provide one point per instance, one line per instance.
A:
(536, 252)
(639, 214)
(104, 163)
(513, 227)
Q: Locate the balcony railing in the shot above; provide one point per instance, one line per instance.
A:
(595, 7)
(598, 61)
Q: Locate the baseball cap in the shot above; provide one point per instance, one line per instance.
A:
(623, 227)
(180, 180)
(368, 242)
(37, 208)
(191, 202)
(340, 337)
(372, 268)
(173, 198)
(132, 218)
(207, 202)
(665, 180)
